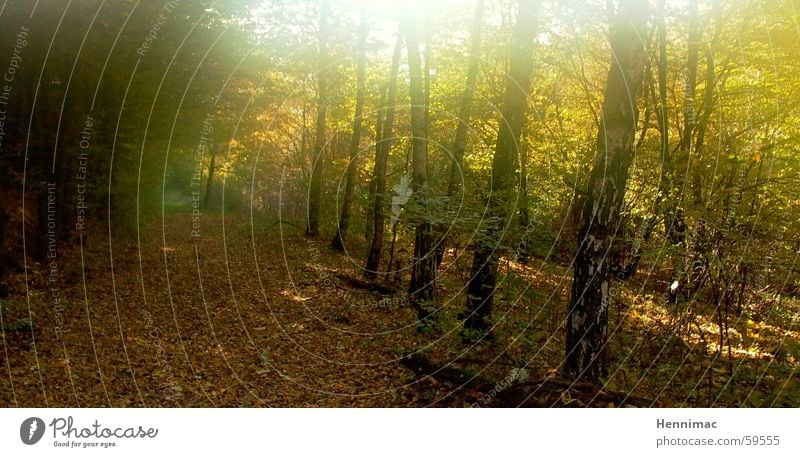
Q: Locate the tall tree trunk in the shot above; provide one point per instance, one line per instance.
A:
(587, 318)
(663, 112)
(702, 126)
(630, 252)
(662, 115)
(350, 177)
(210, 179)
(423, 270)
(708, 109)
(315, 186)
(657, 89)
(370, 213)
(481, 286)
(379, 171)
(524, 213)
(676, 218)
(464, 113)
(426, 73)
(691, 80)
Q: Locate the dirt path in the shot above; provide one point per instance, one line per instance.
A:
(211, 321)
(232, 318)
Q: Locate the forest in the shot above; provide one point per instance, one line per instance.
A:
(355, 203)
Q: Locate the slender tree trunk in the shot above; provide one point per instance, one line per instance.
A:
(465, 111)
(683, 162)
(481, 286)
(663, 112)
(210, 179)
(379, 172)
(370, 213)
(462, 126)
(350, 177)
(423, 270)
(666, 188)
(524, 214)
(317, 166)
(662, 80)
(695, 36)
(392, 244)
(691, 81)
(708, 109)
(697, 245)
(631, 253)
(677, 218)
(523, 249)
(587, 318)
(426, 73)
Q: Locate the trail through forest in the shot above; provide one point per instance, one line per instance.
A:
(211, 321)
(243, 317)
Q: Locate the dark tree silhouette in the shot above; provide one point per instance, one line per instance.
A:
(423, 271)
(382, 148)
(587, 318)
(483, 276)
(317, 159)
(350, 176)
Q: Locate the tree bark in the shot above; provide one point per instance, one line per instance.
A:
(379, 171)
(350, 177)
(708, 109)
(662, 116)
(464, 113)
(524, 213)
(426, 73)
(481, 285)
(587, 317)
(663, 113)
(315, 185)
(423, 271)
(370, 213)
(210, 179)
(676, 219)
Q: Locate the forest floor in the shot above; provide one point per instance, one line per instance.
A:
(239, 317)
